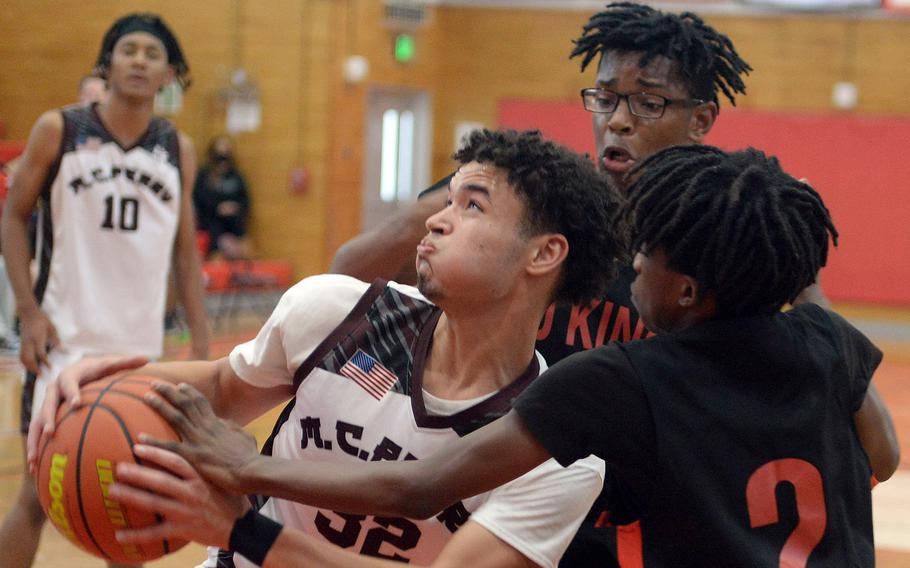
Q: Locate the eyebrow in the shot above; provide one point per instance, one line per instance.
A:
(475, 188)
(142, 45)
(645, 83)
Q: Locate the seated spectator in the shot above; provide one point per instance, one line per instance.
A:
(222, 202)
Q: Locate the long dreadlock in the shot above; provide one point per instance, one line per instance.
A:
(705, 59)
(744, 229)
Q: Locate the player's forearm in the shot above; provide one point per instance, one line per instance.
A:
(360, 258)
(478, 462)
(395, 489)
(877, 435)
(192, 297)
(203, 375)
(384, 251)
(16, 253)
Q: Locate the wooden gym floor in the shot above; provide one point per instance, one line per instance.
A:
(889, 328)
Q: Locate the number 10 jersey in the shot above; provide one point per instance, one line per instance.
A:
(106, 226)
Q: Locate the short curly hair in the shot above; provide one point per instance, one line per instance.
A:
(563, 193)
(749, 233)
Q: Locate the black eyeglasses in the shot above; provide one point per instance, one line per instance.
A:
(644, 105)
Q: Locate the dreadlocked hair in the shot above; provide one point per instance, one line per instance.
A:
(705, 59)
(746, 231)
(562, 193)
(151, 23)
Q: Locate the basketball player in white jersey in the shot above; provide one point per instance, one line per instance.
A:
(109, 182)
(390, 372)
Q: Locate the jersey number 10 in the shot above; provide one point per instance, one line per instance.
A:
(123, 215)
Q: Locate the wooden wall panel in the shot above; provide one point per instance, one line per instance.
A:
(361, 31)
(468, 59)
(284, 47)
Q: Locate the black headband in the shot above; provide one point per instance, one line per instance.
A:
(143, 25)
(151, 24)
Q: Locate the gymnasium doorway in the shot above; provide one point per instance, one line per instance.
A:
(398, 151)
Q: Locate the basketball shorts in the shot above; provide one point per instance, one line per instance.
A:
(35, 387)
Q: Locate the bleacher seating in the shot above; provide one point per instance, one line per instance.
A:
(235, 285)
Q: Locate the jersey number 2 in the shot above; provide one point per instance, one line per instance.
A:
(124, 216)
(810, 504)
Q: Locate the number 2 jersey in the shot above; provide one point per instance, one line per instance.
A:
(106, 226)
(357, 353)
(733, 439)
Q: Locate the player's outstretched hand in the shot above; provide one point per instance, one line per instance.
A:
(66, 387)
(220, 450)
(190, 507)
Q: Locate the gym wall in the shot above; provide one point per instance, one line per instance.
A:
(469, 59)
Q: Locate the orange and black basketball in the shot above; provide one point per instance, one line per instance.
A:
(78, 464)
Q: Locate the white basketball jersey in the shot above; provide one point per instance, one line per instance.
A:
(106, 229)
(357, 357)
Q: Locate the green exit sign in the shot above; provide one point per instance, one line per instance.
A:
(404, 48)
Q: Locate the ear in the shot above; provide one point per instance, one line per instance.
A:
(688, 292)
(101, 70)
(690, 299)
(702, 120)
(168, 78)
(548, 252)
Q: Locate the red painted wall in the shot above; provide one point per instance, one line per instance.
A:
(859, 164)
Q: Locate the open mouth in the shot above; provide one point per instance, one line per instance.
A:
(616, 159)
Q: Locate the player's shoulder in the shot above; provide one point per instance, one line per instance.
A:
(45, 139)
(321, 286)
(186, 141)
(187, 149)
(332, 296)
(613, 354)
(819, 324)
(324, 296)
(50, 122)
(406, 290)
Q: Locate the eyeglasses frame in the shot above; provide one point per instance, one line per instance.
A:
(620, 96)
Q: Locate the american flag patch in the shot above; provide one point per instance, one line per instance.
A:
(369, 374)
(90, 143)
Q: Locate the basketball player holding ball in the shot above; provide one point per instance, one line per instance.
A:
(108, 183)
(391, 372)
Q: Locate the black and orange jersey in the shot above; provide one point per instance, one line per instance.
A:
(731, 441)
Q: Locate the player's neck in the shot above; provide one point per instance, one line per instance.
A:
(477, 353)
(127, 120)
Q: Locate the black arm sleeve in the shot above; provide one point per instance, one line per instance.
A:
(593, 403)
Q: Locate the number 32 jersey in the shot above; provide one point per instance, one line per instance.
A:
(356, 353)
(107, 222)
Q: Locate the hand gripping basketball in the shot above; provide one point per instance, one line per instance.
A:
(77, 467)
(66, 387)
(189, 506)
(220, 450)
